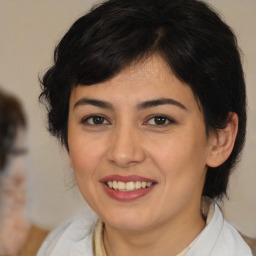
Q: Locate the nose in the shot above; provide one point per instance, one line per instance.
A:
(125, 148)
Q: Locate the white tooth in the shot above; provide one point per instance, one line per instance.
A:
(121, 185)
(137, 184)
(149, 184)
(110, 184)
(115, 185)
(130, 185)
(143, 184)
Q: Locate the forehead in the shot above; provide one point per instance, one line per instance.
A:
(142, 80)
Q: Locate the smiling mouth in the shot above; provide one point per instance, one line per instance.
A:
(128, 186)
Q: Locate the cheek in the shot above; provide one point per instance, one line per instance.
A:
(182, 168)
(180, 155)
(85, 155)
(84, 160)
(81, 161)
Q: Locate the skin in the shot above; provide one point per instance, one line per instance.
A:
(129, 141)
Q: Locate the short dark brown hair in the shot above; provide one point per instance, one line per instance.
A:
(190, 36)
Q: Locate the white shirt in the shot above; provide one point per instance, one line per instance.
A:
(218, 238)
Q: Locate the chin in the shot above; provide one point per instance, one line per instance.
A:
(127, 221)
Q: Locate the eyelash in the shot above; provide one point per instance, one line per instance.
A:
(93, 118)
(164, 118)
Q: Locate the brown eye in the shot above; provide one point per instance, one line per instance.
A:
(98, 120)
(160, 121)
(95, 120)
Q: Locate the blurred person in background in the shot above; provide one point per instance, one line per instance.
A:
(14, 224)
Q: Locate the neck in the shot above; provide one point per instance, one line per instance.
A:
(168, 238)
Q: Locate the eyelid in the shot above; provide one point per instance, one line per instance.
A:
(169, 119)
(84, 120)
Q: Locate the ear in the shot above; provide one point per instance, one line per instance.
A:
(222, 142)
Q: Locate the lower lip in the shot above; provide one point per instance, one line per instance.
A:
(126, 196)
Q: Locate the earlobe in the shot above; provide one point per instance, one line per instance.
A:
(222, 142)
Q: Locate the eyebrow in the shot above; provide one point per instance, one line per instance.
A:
(97, 103)
(159, 102)
(140, 106)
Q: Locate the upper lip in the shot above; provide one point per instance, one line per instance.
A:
(128, 178)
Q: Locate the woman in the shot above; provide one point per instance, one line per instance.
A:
(148, 98)
(13, 217)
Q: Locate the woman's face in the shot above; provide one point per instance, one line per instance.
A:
(138, 147)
